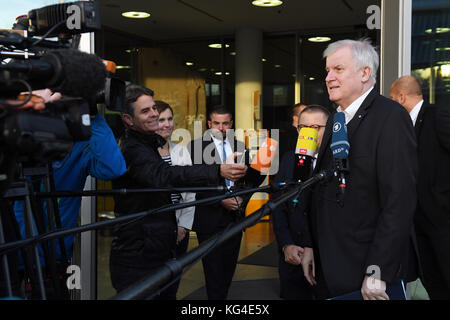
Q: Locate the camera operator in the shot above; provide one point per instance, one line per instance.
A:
(145, 245)
(98, 157)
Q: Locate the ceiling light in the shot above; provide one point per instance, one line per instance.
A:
(136, 15)
(277, 66)
(267, 3)
(312, 78)
(263, 59)
(202, 69)
(232, 53)
(438, 30)
(218, 73)
(123, 67)
(319, 39)
(189, 63)
(217, 45)
(443, 49)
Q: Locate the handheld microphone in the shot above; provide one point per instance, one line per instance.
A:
(304, 153)
(340, 149)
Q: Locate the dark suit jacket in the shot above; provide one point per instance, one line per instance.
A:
(373, 226)
(433, 139)
(290, 224)
(211, 217)
(288, 140)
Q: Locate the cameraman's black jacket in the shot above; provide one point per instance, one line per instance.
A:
(151, 241)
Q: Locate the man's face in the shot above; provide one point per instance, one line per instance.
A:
(220, 123)
(315, 120)
(344, 83)
(145, 118)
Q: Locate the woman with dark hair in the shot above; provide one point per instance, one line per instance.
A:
(176, 154)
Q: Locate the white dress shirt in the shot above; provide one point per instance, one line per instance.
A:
(415, 112)
(351, 110)
(228, 150)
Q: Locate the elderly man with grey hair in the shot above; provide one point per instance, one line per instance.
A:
(363, 242)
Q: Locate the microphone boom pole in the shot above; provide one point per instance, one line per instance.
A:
(145, 287)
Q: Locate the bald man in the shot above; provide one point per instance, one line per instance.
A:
(432, 218)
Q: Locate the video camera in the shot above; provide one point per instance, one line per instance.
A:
(31, 59)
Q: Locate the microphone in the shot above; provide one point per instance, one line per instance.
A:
(69, 71)
(340, 148)
(304, 153)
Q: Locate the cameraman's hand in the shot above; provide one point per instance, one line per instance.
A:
(233, 171)
(38, 99)
(47, 95)
(36, 102)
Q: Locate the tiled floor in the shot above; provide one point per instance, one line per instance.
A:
(254, 238)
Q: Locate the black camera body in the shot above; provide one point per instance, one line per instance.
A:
(29, 63)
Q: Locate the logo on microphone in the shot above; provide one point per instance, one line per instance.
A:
(337, 126)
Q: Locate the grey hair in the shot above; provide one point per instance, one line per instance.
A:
(362, 50)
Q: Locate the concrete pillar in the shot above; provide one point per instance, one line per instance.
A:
(248, 78)
(299, 78)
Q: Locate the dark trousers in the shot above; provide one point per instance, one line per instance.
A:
(219, 265)
(123, 277)
(434, 252)
(293, 284)
(180, 250)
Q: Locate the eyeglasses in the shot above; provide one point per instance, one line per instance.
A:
(313, 126)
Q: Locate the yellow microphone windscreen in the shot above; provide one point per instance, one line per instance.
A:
(307, 142)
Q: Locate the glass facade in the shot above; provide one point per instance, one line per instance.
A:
(430, 49)
(169, 62)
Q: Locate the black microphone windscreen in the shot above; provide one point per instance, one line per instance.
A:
(84, 74)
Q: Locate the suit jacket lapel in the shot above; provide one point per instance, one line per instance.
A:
(325, 140)
(353, 125)
(419, 121)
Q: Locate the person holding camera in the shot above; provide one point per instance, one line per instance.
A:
(99, 157)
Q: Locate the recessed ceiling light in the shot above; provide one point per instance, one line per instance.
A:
(443, 49)
(217, 45)
(319, 39)
(202, 69)
(312, 78)
(438, 30)
(189, 63)
(232, 53)
(123, 67)
(277, 66)
(267, 3)
(263, 59)
(136, 14)
(218, 73)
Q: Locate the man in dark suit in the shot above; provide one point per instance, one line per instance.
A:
(432, 218)
(218, 146)
(290, 223)
(363, 242)
(288, 137)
